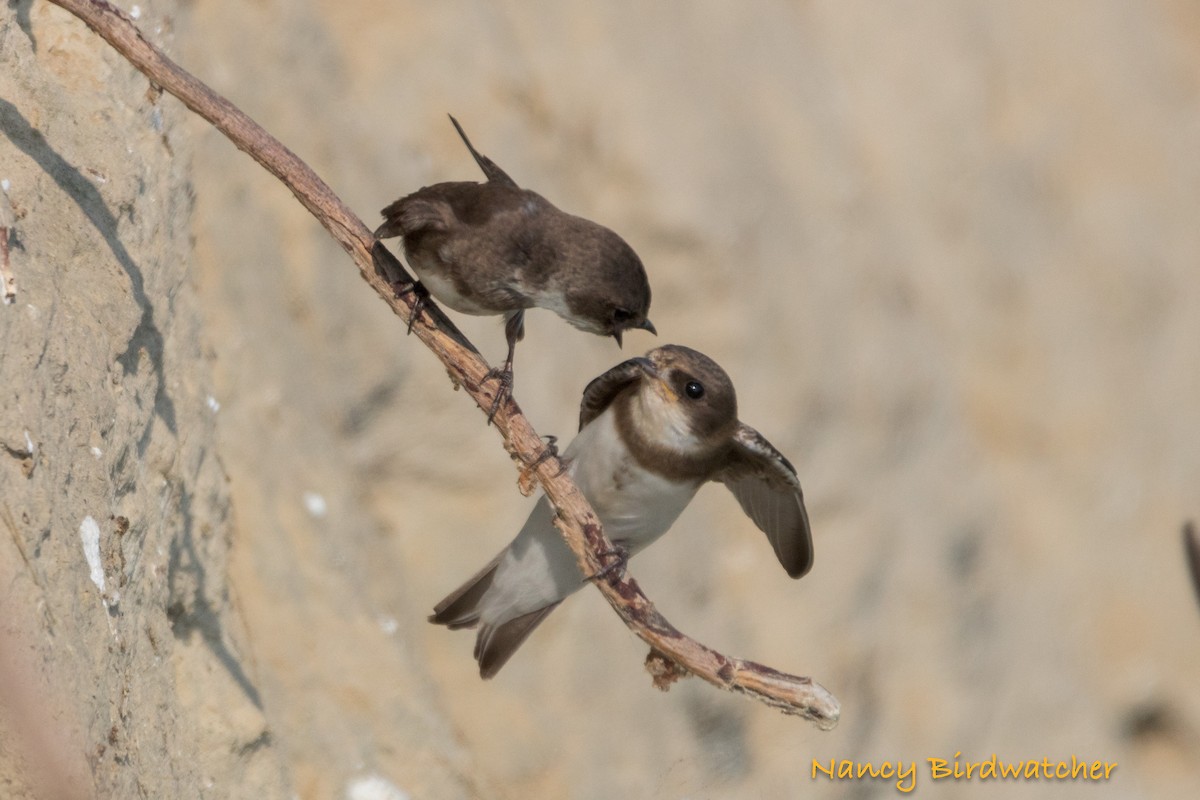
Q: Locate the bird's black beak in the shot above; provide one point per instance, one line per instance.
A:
(644, 325)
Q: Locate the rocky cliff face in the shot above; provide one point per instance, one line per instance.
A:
(126, 669)
(949, 258)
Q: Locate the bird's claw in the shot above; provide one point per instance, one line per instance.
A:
(548, 452)
(504, 376)
(622, 555)
(526, 482)
(401, 288)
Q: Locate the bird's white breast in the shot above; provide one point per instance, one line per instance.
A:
(635, 505)
(433, 276)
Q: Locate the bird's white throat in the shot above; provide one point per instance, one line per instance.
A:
(661, 419)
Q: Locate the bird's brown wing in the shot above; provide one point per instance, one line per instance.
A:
(600, 393)
(436, 208)
(457, 206)
(416, 214)
(766, 486)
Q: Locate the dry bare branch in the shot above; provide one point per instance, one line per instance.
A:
(576, 519)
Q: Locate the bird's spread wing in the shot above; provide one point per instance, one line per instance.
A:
(490, 169)
(766, 486)
(600, 393)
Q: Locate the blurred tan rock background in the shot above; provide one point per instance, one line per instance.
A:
(948, 252)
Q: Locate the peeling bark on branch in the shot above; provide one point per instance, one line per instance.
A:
(673, 654)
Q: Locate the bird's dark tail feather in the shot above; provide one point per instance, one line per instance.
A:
(495, 644)
(460, 609)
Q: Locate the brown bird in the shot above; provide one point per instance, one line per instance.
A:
(651, 431)
(495, 248)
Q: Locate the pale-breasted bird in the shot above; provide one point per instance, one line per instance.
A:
(651, 431)
(496, 249)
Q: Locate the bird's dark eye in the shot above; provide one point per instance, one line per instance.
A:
(694, 390)
(622, 315)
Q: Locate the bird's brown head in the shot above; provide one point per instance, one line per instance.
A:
(606, 289)
(686, 400)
